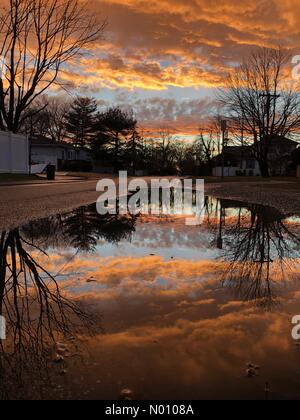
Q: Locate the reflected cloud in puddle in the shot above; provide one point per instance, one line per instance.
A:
(180, 303)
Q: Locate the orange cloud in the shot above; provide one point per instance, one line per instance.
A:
(179, 50)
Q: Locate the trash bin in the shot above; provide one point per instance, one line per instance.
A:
(51, 173)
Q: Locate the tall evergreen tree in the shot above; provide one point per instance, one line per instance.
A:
(134, 151)
(80, 121)
(115, 126)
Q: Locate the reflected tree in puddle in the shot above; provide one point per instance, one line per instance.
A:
(81, 229)
(37, 311)
(37, 315)
(260, 248)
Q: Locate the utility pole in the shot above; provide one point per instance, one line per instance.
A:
(269, 97)
(242, 143)
(224, 129)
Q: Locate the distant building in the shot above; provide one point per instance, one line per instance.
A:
(240, 160)
(47, 151)
(280, 151)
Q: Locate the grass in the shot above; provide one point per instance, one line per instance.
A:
(86, 175)
(18, 178)
(207, 179)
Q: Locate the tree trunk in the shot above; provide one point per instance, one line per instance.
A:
(116, 157)
(264, 169)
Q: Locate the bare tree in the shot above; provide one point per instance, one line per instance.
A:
(259, 248)
(47, 117)
(167, 149)
(37, 37)
(209, 142)
(261, 103)
(56, 112)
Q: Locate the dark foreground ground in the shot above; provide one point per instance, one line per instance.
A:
(283, 194)
(21, 203)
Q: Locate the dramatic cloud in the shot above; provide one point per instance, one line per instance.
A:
(174, 53)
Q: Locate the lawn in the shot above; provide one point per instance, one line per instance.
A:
(253, 179)
(18, 178)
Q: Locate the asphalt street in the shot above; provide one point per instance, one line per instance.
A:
(22, 203)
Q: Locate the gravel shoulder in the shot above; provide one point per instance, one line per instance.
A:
(283, 195)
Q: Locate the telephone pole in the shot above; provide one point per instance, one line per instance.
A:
(224, 129)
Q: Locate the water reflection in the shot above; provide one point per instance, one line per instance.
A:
(149, 274)
(260, 247)
(37, 314)
(37, 310)
(81, 229)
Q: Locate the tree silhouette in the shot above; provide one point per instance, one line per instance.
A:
(80, 121)
(257, 248)
(37, 38)
(37, 315)
(260, 103)
(114, 126)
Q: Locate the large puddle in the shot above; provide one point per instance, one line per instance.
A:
(149, 308)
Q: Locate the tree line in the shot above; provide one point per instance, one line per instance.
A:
(113, 137)
(38, 38)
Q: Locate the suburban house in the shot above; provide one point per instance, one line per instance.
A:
(47, 151)
(281, 149)
(240, 160)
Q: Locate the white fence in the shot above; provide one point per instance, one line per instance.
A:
(14, 153)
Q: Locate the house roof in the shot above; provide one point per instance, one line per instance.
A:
(234, 154)
(282, 141)
(42, 141)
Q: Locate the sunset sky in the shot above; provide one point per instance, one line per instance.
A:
(165, 58)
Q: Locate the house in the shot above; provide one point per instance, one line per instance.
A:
(47, 151)
(240, 160)
(280, 152)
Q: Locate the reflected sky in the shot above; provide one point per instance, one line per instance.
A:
(183, 309)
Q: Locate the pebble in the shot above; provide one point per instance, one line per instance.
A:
(58, 359)
(126, 394)
(251, 373)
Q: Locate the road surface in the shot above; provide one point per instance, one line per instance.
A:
(22, 203)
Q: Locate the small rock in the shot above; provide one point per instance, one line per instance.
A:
(58, 359)
(126, 394)
(251, 373)
(253, 366)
